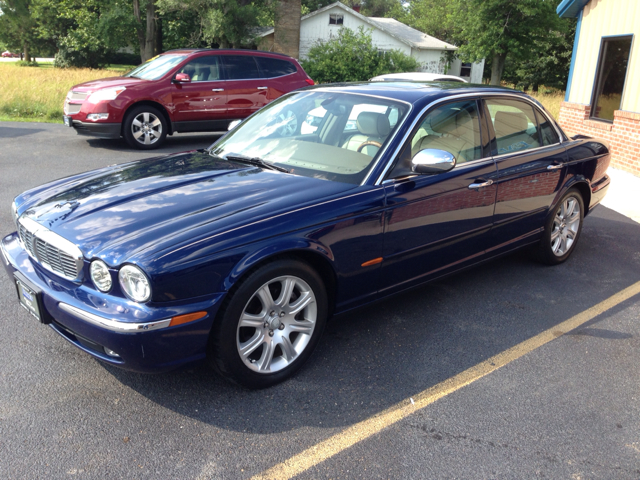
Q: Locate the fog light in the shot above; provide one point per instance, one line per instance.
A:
(110, 352)
(97, 116)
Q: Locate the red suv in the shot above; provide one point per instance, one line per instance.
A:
(181, 91)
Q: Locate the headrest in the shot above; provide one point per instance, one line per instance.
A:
(373, 124)
(449, 123)
(509, 123)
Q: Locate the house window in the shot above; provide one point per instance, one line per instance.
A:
(335, 19)
(610, 77)
(465, 70)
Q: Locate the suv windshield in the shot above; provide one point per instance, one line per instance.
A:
(156, 67)
(327, 135)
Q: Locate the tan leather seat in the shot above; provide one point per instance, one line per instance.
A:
(511, 132)
(459, 136)
(372, 127)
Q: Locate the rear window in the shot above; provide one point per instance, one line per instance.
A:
(274, 67)
(240, 67)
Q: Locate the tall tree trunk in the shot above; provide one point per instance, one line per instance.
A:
(150, 37)
(159, 49)
(286, 36)
(27, 51)
(497, 68)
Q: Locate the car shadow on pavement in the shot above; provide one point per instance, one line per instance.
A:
(174, 143)
(376, 356)
(13, 132)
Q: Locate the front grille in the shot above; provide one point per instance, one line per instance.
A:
(51, 250)
(59, 261)
(78, 96)
(72, 108)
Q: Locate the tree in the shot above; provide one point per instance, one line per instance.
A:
(495, 29)
(286, 31)
(351, 57)
(17, 26)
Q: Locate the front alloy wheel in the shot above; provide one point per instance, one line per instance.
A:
(270, 324)
(144, 127)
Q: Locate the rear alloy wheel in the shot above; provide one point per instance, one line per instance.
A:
(271, 324)
(562, 229)
(145, 128)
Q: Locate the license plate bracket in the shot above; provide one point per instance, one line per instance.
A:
(30, 298)
(68, 121)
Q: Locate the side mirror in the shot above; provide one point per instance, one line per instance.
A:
(182, 78)
(432, 160)
(233, 125)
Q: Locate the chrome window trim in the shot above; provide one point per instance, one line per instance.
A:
(459, 166)
(476, 95)
(113, 325)
(43, 233)
(504, 155)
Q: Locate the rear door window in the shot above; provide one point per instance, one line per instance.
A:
(240, 67)
(274, 67)
(515, 125)
(549, 134)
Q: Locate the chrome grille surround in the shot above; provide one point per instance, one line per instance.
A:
(53, 252)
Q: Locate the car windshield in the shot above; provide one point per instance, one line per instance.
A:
(156, 67)
(328, 135)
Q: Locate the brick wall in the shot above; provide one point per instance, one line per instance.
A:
(623, 135)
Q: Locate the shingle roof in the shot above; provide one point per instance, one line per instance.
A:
(411, 36)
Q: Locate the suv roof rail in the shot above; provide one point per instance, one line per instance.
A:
(199, 50)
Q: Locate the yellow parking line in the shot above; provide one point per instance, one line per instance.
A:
(369, 427)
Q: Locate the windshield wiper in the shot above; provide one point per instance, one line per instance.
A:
(257, 161)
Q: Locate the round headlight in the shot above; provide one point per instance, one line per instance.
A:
(100, 275)
(134, 283)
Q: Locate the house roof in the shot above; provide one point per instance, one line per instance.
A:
(404, 33)
(411, 36)
(571, 8)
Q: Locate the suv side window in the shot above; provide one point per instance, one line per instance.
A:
(549, 134)
(204, 69)
(515, 125)
(240, 67)
(452, 127)
(274, 67)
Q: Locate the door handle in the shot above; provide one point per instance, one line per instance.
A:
(554, 167)
(480, 185)
(263, 88)
(217, 89)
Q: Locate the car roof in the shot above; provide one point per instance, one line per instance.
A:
(419, 76)
(411, 91)
(191, 51)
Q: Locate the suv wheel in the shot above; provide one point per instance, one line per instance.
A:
(145, 128)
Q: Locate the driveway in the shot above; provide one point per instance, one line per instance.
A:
(473, 376)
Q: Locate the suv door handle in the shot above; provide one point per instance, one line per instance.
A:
(217, 89)
(554, 167)
(480, 185)
(263, 88)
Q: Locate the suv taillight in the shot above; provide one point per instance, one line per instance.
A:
(310, 82)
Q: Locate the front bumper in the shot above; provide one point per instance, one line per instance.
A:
(100, 130)
(99, 323)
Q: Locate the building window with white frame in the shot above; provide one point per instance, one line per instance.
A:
(336, 19)
(610, 77)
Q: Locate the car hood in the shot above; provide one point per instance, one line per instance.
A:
(116, 212)
(94, 85)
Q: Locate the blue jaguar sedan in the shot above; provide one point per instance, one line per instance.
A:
(327, 199)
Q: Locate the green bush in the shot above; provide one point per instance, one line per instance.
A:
(24, 63)
(74, 58)
(351, 57)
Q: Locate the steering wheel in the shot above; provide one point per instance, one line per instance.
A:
(366, 144)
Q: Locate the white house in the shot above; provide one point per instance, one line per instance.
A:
(386, 34)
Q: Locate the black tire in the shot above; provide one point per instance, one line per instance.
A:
(558, 229)
(149, 130)
(267, 364)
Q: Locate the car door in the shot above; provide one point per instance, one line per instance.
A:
(439, 222)
(246, 91)
(201, 103)
(530, 159)
(280, 76)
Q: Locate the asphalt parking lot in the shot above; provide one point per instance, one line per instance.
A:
(566, 408)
